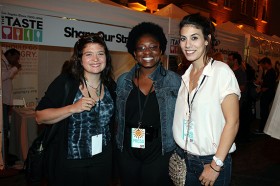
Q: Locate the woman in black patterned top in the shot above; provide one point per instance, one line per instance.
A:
(81, 151)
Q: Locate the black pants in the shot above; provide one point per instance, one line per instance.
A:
(135, 172)
(86, 172)
(265, 101)
(244, 124)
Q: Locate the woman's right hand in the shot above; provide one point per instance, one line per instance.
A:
(84, 104)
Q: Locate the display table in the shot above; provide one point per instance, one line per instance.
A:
(23, 131)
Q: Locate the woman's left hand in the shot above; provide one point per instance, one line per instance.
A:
(208, 176)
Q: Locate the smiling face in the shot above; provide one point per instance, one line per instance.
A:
(93, 59)
(192, 43)
(147, 52)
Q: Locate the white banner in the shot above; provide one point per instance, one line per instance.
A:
(36, 29)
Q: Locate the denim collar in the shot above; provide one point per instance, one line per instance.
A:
(154, 76)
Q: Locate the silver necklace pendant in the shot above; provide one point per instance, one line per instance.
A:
(96, 89)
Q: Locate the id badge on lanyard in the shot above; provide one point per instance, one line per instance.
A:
(188, 124)
(138, 138)
(188, 130)
(138, 134)
(96, 144)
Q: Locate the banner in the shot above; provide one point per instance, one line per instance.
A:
(174, 46)
(27, 28)
(260, 48)
(25, 83)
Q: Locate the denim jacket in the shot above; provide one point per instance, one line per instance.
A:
(166, 89)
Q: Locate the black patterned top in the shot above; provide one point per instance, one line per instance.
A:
(82, 126)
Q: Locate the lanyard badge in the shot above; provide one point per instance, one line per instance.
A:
(138, 138)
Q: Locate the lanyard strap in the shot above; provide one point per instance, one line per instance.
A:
(141, 111)
(190, 103)
(100, 86)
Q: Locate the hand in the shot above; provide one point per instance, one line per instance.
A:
(18, 65)
(208, 176)
(84, 104)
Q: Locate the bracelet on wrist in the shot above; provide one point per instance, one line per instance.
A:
(213, 168)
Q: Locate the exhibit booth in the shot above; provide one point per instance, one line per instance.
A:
(257, 45)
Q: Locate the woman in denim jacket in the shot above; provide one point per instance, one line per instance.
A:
(146, 99)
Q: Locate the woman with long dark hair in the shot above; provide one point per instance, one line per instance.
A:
(206, 116)
(81, 152)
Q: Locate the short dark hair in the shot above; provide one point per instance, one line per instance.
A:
(12, 52)
(146, 28)
(237, 56)
(265, 60)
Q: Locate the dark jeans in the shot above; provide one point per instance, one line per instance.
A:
(195, 166)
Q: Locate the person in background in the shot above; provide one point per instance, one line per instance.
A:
(267, 91)
(81, 151)
(10, 66)
(206, 116)
(235, 62)
(146, 98)
(252, 94)
(66, 67)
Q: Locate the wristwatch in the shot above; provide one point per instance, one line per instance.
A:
(218, 161)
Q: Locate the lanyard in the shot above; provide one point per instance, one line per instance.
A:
(141, 111)
(190, 103)
(100, 86)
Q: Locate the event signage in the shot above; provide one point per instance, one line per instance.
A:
(27, 28)
(20, 27)
(174, 48)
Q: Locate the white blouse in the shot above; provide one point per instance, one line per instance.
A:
(206, 122)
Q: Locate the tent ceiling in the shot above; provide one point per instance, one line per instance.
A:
(85, 10)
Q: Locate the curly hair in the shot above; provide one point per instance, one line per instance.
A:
(145, 28)
(77, 69)
(205, 25)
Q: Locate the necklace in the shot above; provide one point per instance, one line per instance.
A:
(96, 89)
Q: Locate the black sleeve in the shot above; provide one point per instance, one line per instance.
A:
(54, 95)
